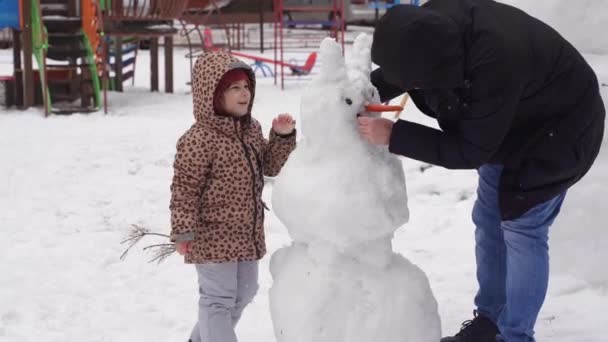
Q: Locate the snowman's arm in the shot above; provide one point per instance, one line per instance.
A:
(192, 163)
(276, 151)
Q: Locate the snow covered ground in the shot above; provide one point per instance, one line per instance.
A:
(70, 187)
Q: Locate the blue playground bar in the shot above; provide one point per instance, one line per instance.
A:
(9, 14)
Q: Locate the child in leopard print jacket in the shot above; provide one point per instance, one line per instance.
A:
(217, 212)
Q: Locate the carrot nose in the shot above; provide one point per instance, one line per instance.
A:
(382, 108)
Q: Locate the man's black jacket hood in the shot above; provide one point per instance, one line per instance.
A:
(419, 48)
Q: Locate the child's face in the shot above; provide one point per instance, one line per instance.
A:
(236, 98)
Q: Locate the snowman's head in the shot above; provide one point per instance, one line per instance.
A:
(336, 96)
(359, 67)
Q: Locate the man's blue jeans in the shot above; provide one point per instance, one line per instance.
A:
(512, 259)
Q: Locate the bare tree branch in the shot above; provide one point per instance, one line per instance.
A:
(161, 251)
(137, 233)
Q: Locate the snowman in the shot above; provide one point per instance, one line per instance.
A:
(341, 200)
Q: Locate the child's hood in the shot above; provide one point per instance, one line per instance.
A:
(207, 73)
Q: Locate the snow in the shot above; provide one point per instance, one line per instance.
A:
(350, 301)
(70, 187)
(583, 222)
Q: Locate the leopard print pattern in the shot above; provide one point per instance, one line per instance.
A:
(219, 168)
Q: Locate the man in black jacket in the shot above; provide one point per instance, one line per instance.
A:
(517, 102)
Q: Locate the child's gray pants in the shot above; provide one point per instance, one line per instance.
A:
(225, 289)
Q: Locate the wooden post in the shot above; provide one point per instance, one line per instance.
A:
(154, 64)
(18, 72)
(105, 74)
(243, 36)
(28, 71)
(275, 26)
(118, 63)
(168, 64)
(72, 8)
(261, 26)
(237, 28)
(85, 89)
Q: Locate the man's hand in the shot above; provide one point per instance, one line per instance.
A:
(182, 247)
(376, 131)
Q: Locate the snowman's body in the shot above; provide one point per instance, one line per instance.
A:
(341, 200)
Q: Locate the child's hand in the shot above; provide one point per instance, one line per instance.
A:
(283, 124)
(182, 247)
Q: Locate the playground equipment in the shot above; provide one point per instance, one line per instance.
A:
(335, 24)
(82, 47)
(6, 38)
(76, 43)
(123, 24)
(65, 51)
(260, 62)
(295, 69)
(9, 14)
(121, 60)
(232, 17)
(50, 33)
(389, 4)
(10, 24)
(143, 10)
(193, 21)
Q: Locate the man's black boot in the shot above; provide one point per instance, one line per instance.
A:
(479, 329)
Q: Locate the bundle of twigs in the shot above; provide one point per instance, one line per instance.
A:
(160, 252)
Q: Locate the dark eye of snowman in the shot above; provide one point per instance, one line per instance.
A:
(348, 101)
